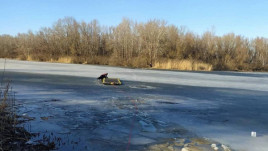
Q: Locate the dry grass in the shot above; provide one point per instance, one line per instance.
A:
(7, 118)
(138, 62)
(30, 58)
(4, 100)
(183, 65)
(65, 60)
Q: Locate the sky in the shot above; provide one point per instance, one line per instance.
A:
(248, 18)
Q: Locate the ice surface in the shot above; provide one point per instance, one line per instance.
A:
(159, 105)
(246, 80)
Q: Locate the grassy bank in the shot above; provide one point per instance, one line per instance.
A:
(188, 65)
(169, 64)
(10, 135)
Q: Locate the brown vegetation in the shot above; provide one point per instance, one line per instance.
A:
(183, 65)
(9, 133)
(136, 44)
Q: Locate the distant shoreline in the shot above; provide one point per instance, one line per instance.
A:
(148, 68)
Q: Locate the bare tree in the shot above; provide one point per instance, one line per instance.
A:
(135, 44)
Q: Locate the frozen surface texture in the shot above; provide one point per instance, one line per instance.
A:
(153, 108)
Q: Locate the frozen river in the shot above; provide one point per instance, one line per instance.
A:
(152, 107)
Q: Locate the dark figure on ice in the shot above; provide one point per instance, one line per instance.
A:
(105, 75)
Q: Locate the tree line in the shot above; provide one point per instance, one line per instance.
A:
(135, 44)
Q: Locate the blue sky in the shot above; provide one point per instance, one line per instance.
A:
(245, 17)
